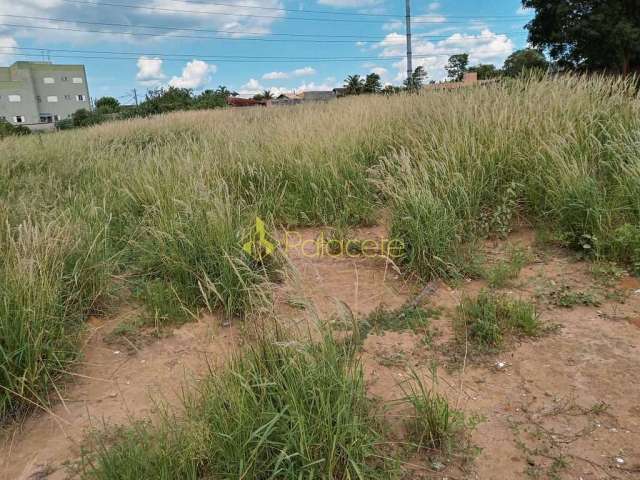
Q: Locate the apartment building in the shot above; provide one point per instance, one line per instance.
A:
(37, 94)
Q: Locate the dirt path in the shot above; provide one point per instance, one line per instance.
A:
(564, 406)
(111, 385)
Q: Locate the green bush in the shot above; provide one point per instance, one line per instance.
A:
(7, 129)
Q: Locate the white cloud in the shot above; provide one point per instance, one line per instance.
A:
(485, 47)
(380, 71)
(7, 45)
(237, 16)
(195, 74)
(311, 86)
(304, 72)
(300, 72)
(275, 76)
(253, 86)
(434, 6)
(150, 72)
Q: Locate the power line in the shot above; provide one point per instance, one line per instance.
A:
(166, 27)
(291, 10)
(114, 55)
(436, 20)
(171, 29)
(333, 12)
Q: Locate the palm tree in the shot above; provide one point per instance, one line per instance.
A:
(372, 84)
(223, 91)
(417, 79)
(267, 95)
(354, 84)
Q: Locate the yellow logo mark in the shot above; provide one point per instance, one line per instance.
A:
(259, 240)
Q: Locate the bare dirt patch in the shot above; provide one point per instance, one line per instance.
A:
(564, 405)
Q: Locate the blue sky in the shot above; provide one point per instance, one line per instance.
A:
(250, 45)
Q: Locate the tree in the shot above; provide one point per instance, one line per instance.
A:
(354, 84)
(163, 100)
(210, 99)
(85, 118)
(264, 95)
(524, 60)
(457, 66)
(108, 105)
(372, 83)
(485, 71)
(417, 79)
(588, 34)
(224, 91)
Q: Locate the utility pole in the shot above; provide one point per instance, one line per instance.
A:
(409, 54)
(135, 96)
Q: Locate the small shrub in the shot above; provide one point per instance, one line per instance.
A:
(607, 272)
(500, 220)
(625, 246)
(488, 318)
(566, 298)
(500, 274)
(380, 320)
(433, 423)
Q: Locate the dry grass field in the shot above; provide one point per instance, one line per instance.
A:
(517, 205)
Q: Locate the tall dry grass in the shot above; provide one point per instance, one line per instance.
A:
(166, 202)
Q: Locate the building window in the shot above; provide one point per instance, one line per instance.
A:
(3, 118)
(52, 99)
(49, 80)
(80, 98)
(14, 98)
(67, 97)
(65, 79)
(77, 80)
(18, 119)
(38, 98)
(56, 118)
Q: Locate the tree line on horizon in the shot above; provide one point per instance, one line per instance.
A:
(527, 59)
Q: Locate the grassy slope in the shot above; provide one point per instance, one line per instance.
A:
(169, 200)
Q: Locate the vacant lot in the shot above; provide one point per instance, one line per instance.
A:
(140, 226)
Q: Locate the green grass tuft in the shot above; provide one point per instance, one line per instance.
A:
(487, 319)
(283, 410)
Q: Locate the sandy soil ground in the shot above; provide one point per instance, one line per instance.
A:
(563, 406)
